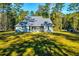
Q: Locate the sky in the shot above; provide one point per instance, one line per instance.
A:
(30, 6)
(34, 7)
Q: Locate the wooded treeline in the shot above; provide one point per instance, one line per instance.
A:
(14, 14)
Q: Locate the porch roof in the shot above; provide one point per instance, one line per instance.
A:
(35, 21)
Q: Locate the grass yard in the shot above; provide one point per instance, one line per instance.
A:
(39, 44)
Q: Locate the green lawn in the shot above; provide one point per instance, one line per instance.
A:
(42, 44)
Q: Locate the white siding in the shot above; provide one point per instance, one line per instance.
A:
(46, 29)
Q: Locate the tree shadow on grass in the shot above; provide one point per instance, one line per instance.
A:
(74, 38)
(8, 34)
(41, 45)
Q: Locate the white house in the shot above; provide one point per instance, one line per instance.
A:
(34, 24)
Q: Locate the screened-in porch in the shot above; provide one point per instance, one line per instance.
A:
(31, 28)
(36, 28)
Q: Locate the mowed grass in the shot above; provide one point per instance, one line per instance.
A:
(39, 44)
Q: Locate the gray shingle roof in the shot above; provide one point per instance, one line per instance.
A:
(34, 21)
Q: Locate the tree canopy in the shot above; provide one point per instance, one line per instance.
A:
(54, 11)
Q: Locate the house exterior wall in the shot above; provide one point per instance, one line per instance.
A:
(22, 29)
(51, 28)
(33, 29)
(48, 30)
